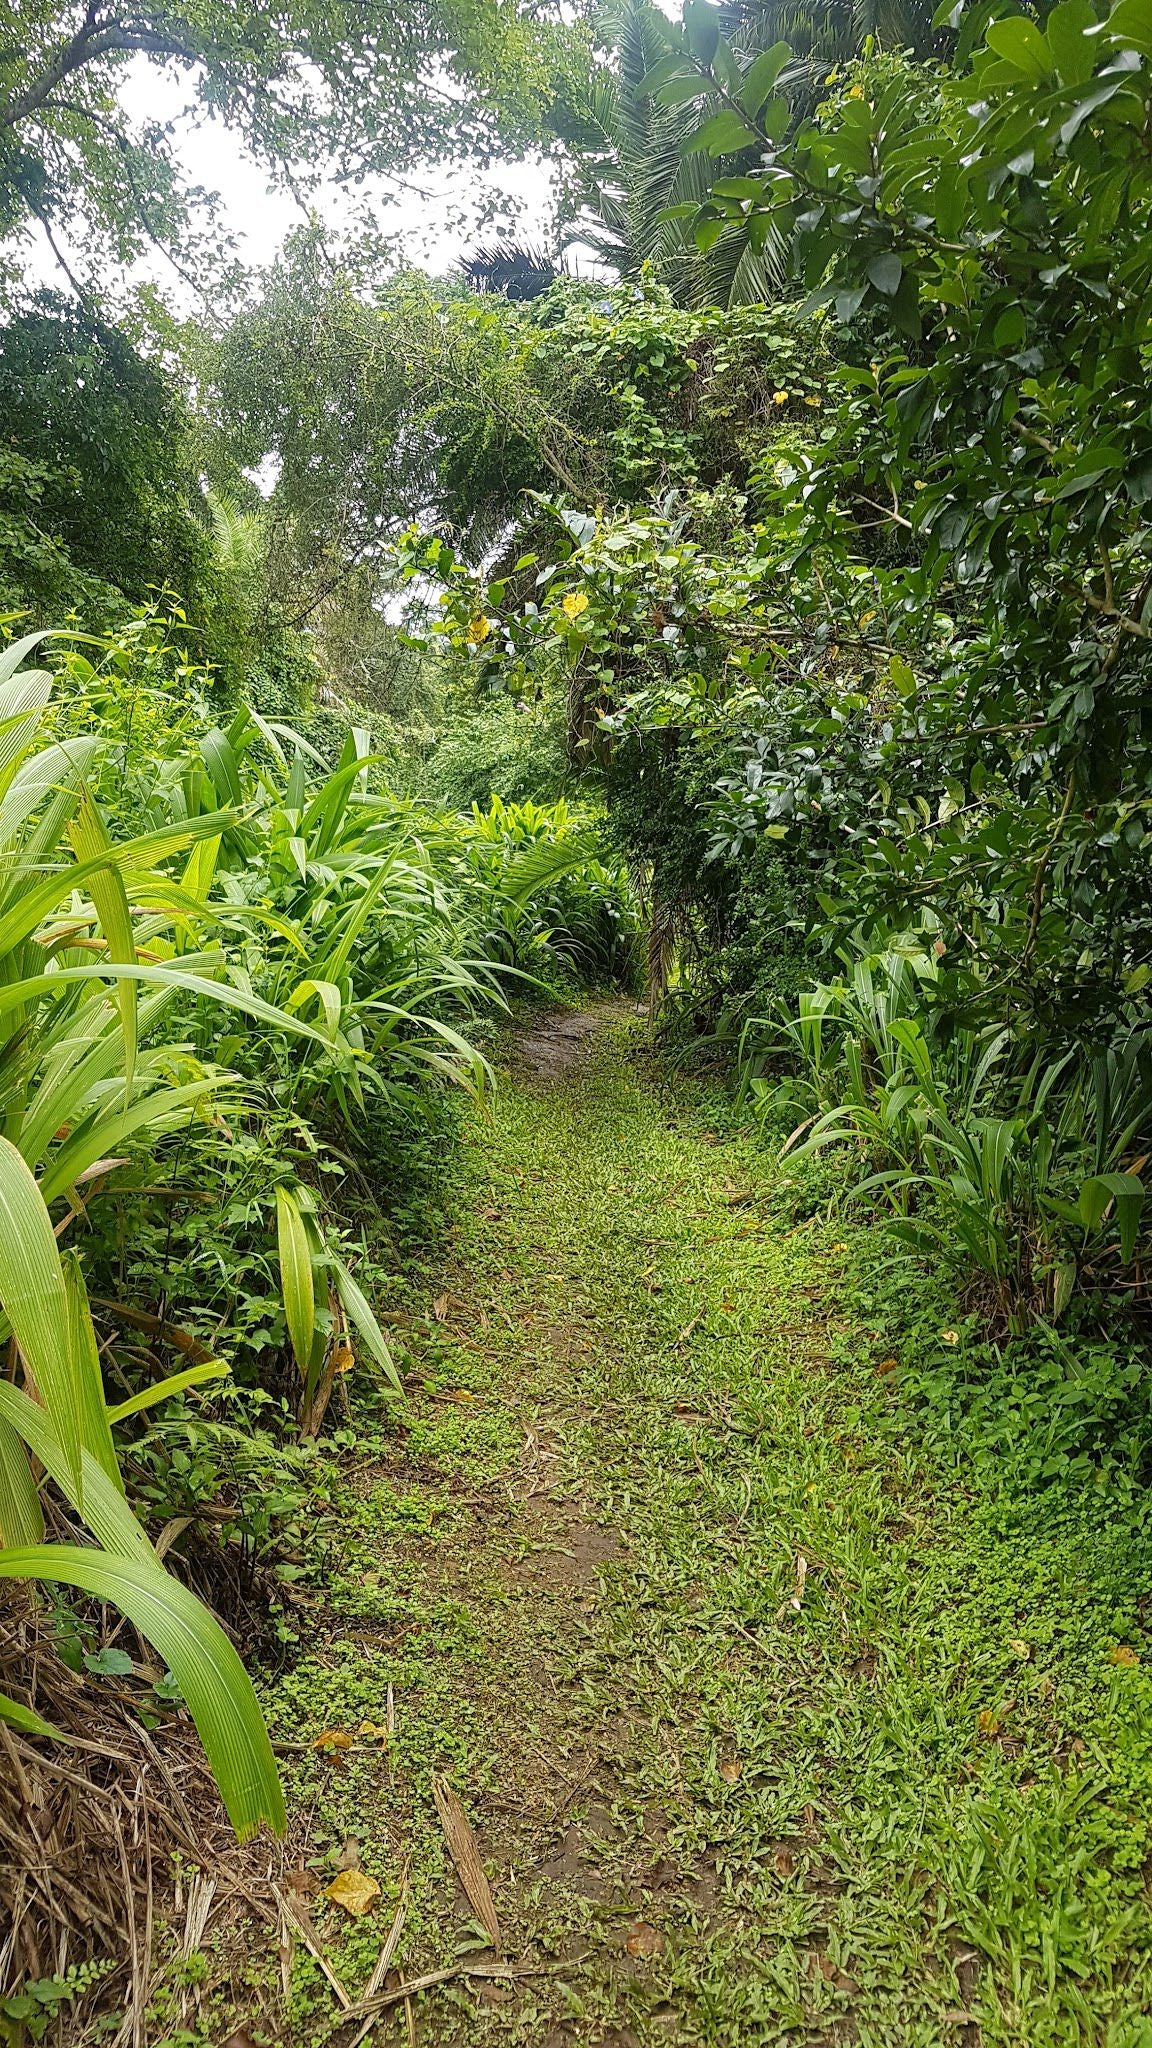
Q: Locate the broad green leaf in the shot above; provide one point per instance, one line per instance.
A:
(34, 1298)
(737, 188)
(296, 1278)
(1074, 51)
(702, 29)
(206, 1668)
(1131, 23)
(886, 271)
(26, 1721)
(680, 91)
(668, 67)
(761, 75)
(1022, 45)
(724, 132)
(106, 888)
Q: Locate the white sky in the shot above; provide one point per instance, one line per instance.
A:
(416, 211)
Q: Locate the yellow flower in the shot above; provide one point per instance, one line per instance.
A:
(478, 629)
(856, 92)
(781, 397)
(575, 603)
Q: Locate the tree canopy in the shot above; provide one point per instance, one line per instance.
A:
(341, 90)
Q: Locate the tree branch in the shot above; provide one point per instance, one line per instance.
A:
(92, 40)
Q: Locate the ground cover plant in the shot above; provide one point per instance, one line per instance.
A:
(788, 1689)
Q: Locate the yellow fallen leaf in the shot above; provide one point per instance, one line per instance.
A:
(644, 1940)
(730, 1770)
(949, 1336)
(1020, 1648)
(988, 1723)
(355, 1891)
(333, 1738)
(1123, 1655)
(376, 1731)
(887, 1365)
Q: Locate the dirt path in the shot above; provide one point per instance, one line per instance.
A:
(652, 1577)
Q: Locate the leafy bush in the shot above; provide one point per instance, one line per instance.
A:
(349, 937)
(1027, 1166)
(503, 750)
(80, 1080)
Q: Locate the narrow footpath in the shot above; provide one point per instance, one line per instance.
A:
(765, 1735)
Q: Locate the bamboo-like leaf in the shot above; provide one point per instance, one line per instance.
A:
(359, 1312)
(95, 1433)
(207, 1669)
(34, 1298)
(326, 994)
(89, 841)
(105, 1510)
(1123, 1190)
(163, 1390)
(21, 1516)
(15, 995)
(296, 1278)
(104, 1135)
(11, 659)
(32, 905)
(26, 1721)
(335, 965)
(223, 767)
(37, 777)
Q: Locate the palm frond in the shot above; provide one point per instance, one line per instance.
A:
(516, 270)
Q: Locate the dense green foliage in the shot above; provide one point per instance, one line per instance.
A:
(903, 641)
(214, 946)
(781, 604)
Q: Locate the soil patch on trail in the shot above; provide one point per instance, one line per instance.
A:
(556, 1043)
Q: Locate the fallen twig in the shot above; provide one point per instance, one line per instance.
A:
(368, 2008)
(384, 1959)
(299, 1924)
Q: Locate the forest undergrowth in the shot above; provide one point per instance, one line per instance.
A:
(778, 1714)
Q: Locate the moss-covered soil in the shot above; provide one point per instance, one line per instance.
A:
(772, 1724)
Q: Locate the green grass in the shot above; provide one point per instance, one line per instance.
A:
(913, 1810)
